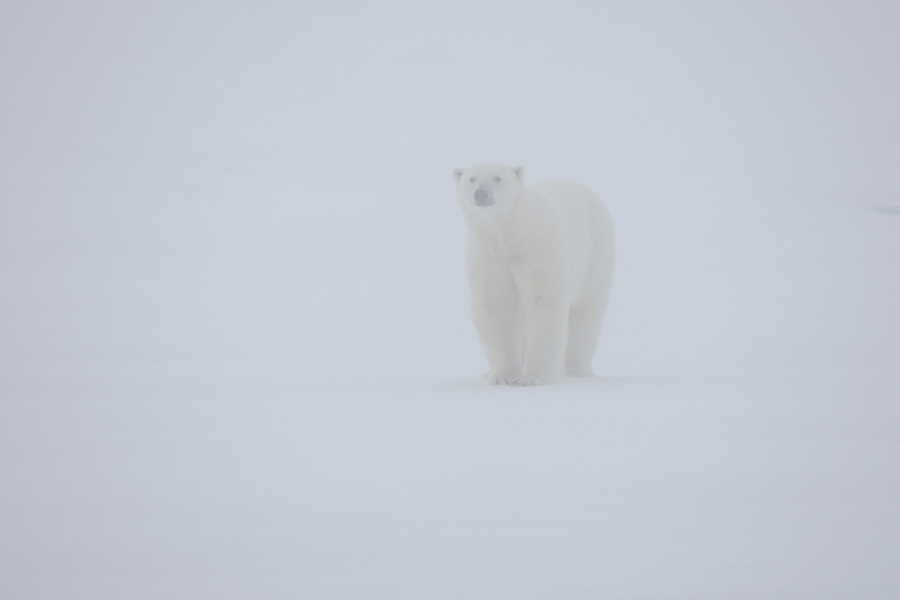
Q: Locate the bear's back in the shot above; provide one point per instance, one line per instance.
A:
(588, 231)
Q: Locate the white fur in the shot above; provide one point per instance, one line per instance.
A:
(539, 262)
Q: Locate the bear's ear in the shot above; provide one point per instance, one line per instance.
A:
(520, 172)
(457, 174)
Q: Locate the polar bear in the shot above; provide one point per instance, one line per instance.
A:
(539, 261)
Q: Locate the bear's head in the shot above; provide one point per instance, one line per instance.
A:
(488, 185)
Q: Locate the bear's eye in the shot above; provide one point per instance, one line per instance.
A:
(472, 179)
(496, 179)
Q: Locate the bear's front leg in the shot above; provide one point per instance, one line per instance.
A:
(496, 326)
(545, 332)
(495, 312)
(544, 318)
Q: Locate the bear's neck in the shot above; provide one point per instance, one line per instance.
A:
(509, 232)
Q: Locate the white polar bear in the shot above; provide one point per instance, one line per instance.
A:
(539, 262)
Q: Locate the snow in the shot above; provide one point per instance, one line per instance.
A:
(235, 352)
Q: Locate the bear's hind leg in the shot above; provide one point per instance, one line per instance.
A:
(585, 321)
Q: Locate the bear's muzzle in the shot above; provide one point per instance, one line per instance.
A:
(482, 198)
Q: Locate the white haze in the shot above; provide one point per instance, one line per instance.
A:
(236, 359)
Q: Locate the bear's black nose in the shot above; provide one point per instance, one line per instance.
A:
(480, 195)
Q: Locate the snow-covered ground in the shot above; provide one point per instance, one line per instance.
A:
(236, 359)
